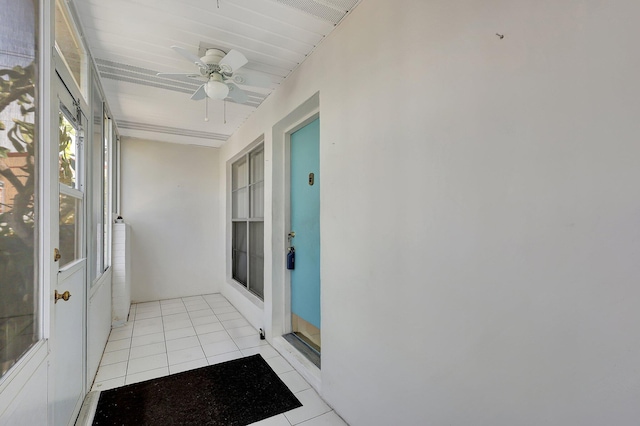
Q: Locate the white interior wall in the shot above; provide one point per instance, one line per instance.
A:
(479, 210)
(170, 199)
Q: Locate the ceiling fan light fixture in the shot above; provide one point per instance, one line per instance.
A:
(216, 89)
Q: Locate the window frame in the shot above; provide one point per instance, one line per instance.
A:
(246, 158)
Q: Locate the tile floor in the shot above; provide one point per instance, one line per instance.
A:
(170, 336)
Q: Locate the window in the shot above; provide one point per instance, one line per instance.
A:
(70, 47)
(107, 190)
(247, 228)
(20, 304)
(96, 235)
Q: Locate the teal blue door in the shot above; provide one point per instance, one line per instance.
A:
(305, 223)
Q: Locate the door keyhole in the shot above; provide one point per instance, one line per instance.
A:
(311, 178)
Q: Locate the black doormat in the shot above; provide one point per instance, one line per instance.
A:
(234, 393)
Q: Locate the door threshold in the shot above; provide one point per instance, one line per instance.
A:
(304, 348)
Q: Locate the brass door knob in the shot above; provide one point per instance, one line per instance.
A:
(56, 255)
(64, 296)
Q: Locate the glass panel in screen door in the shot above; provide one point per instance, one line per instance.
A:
(70, 208)
(67, 153)
(19, 289)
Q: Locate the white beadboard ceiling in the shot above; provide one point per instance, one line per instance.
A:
(130, 41)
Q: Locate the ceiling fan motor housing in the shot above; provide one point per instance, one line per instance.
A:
(213, 56)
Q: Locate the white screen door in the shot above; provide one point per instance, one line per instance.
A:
(68, 237)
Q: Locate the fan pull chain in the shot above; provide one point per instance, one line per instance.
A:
(225, 111)
(206, 108)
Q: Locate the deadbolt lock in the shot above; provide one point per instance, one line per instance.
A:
(311, 178)
(64, 296)
(56, 255)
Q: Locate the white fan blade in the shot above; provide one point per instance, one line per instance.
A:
(190, 56)
(257, 80)
(237, 94)
(199, 94)
(178, 75)
(233, 60)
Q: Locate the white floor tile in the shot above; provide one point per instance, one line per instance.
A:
(108, 384)
(197, 306)
(179, 333)
(219, 304)
(169, 302)
(147, 375)
(279, 365)
(150, 329)
(217, 359)
(217, 336)
(175, 317)
(149, 314)
(235, 323)
(192, 298)
(120, 333)
(147, 322)
(117, 345)
(294, 381)
(182, 343)
(242, 331)
(328, 419)
(185, 366)
(176, 324)
(185, 355)
(250, 341)
(147, 363)
(147, 339)
(154, 306)
(224, 310)
(279, 420)
(114, 357)
(147, 350)
(218, 348)
(265, 350)
(229, 316)
(201, 313)
(208, 328)
(214, 298)
(111, 371)
(173, 309)
(312, 406)
(208, 319)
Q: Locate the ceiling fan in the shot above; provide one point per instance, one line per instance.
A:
(218, 72)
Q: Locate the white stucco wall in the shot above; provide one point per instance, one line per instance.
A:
(170, 199)
(480, 211)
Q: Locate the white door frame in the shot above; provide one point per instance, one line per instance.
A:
(278, 315)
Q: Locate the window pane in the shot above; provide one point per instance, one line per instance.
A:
(70, 46)
(19, 290)
(256, 259)
(70, 207)
(257, 166)
(257, 200)
(106, 185)
(67, 152)
(239, 208)
(239, 174)
(239, 248)
(94, 199)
